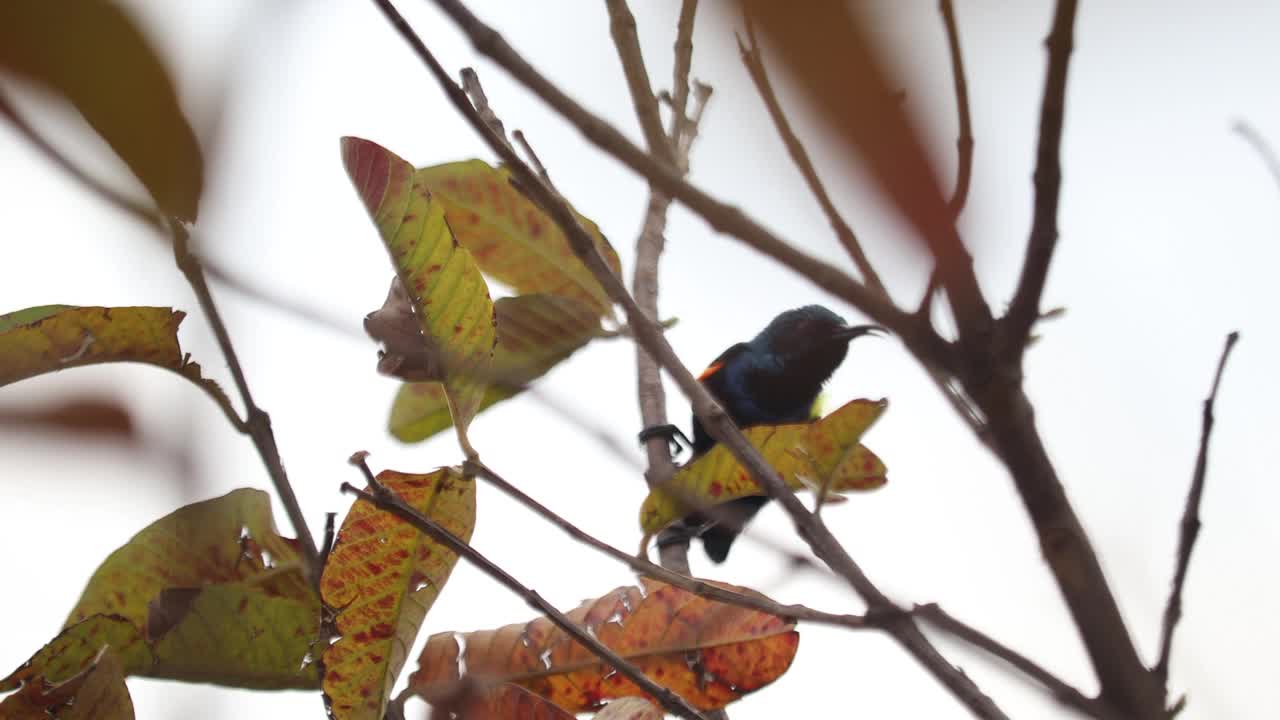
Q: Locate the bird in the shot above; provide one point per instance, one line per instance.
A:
(772, 379)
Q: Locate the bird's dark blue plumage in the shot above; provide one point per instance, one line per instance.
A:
(772, 379)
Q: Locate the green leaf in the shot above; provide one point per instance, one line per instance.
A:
(512, 239)
(449, 295)
(824, 453)
(75, 648)
(91, 53)
(97, 693)
(535, 333)
(382, 577)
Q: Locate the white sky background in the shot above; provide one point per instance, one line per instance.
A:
(1169, 225)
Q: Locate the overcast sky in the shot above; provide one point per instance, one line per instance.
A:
(1169, 222)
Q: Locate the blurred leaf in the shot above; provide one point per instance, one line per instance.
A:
(382, 577)
(29, 315)
(806, 456)
(450, 297)
(512, 239)
(828, 49)
(87, 415)
(709, 653)
(97, 693)
(92, 53)
(535, 333)
(75, 648)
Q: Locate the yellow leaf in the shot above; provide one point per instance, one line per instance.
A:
(381, 578)
(512, 239)
(806, 456)
(449, 294)
(535, 333)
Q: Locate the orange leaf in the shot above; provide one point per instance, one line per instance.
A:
(709, 653)
(381, 578)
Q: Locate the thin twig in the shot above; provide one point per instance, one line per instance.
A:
(752, 59)
(622, 26)
(257, 423)
(666, 575)
(964, 141)
(387, 500)
(480, 101)
(1190, 519)
(810, 528)
(683, 48)
(1063, 691)
(724, 218)
(1025, 306)
(534, 160)
(133, 208)
(1259, 143)
(651, 241)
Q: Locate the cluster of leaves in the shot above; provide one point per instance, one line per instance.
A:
(212, 593)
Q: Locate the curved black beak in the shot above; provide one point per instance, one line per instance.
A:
(849, 333)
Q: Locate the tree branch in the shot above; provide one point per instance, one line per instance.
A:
(964, 143)
(724, 218)
(622, 26)
(257, 423)
(679, 579)
(1064, 692)
(387, 500)
(1025, 306)
(811, 528)
(1190, 519)
(754, 63)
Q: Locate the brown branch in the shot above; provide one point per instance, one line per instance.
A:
(964, 143)
(680, 122)
(257, 423)
(1065, 693)
(809, 527)
(1025, 306)
(650, 243)
(534, 160)
(387, 500)
(622, 26)
(1260, 144)
(724, 218)
(666, 575)
(752, 59)
(1190, 519)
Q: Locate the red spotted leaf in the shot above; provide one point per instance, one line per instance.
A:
(709, 653)
(449, 295)
(825, 453)
(381, 578)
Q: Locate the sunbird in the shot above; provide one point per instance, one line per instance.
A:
(772, 379)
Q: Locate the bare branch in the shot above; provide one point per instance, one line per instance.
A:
(666, 575)
(755, 66)
(480, 101)
(257, 423)
(622, 26)
(1025, 306)
(1259, 143)
(1064, 692)
(964, 143)
(534, 160)
(387, 500)
(1190, 519)
(680, 82)
(810, 528)
(722, 217)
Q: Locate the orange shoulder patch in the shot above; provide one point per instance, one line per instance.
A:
(712, 369)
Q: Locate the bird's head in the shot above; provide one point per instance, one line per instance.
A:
(811, 339)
